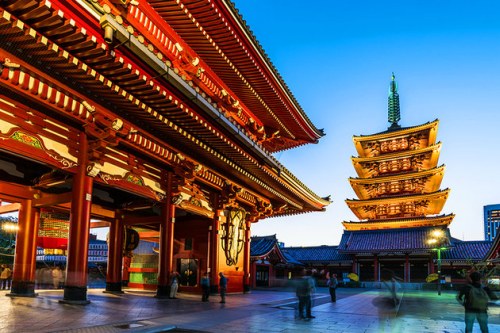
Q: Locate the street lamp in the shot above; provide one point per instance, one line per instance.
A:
(438, 242)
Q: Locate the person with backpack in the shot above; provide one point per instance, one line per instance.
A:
(475, 300)
(332, 286)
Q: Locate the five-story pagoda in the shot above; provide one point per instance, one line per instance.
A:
(399, 199)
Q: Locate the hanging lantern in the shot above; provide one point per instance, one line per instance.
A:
(131, 240)
(233, 235)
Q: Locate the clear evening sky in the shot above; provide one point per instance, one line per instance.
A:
(337, 58)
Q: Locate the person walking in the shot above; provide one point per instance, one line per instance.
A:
(332, 287)
(5, 277)
(205, 286)
(304, 292)
(56, 277)
(475, 300)
(222, 287)
(174, 284)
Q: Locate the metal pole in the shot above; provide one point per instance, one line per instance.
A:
(439, 270)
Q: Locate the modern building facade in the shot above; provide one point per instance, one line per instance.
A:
(491, 221)
(156, 119)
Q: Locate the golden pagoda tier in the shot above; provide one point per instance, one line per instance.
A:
(398, 184)
(399, 162)
(399, 206)
(427, 181)
(432, 221)
(410, 138)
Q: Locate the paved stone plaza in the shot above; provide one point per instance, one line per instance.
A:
(260, 311)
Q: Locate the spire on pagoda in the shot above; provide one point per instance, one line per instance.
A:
(394, 115)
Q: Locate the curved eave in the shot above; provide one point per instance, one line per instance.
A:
(442, 220)
(362, 164)
(432, 202)
(432, 177)
(127, 89)
(217, 33)
(361, 140)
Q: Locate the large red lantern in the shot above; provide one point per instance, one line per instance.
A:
(54, 229)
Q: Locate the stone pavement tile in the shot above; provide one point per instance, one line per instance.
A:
(260, 311)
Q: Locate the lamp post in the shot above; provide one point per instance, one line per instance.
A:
(437, 240)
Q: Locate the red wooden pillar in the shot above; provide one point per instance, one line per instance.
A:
(431, 266)
(214, 250)
(75, 288)
(246, 259)
(166, 242)
(115, 256)
(23, 277)
(375, 268)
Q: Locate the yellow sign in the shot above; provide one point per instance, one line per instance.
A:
(432, 277)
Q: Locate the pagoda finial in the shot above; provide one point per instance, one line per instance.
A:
(394, 114)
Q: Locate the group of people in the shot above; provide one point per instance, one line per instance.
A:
(50, 277)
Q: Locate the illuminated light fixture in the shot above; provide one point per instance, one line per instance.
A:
(195, 61)
(233, 235)
(10, 227)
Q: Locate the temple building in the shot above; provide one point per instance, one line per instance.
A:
(157, 119)
(399, 200)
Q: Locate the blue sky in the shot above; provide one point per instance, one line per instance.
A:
(337, 58)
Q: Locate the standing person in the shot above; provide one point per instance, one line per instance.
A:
(5, 276)
(205, 286)
(222, 287)
(475, 300)
(56, 277)
(332, 286)
(304, 291)
(174, 284)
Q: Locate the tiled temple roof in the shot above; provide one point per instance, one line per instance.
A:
(262, 245)
(322, 253)
(466, 250)
(392, 240)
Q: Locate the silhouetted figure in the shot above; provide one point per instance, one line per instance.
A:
(205, 287)
(332, 284)
(304, 291)
(174, 284)
(222, 287)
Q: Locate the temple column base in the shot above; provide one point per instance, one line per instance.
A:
(162, 292)
(246, 288)
(75, 296)
(22, 289)
(113, 288)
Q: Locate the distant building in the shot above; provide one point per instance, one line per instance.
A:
(491, 221)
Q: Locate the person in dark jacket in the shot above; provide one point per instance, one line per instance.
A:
(475, 302)
(222, 287)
